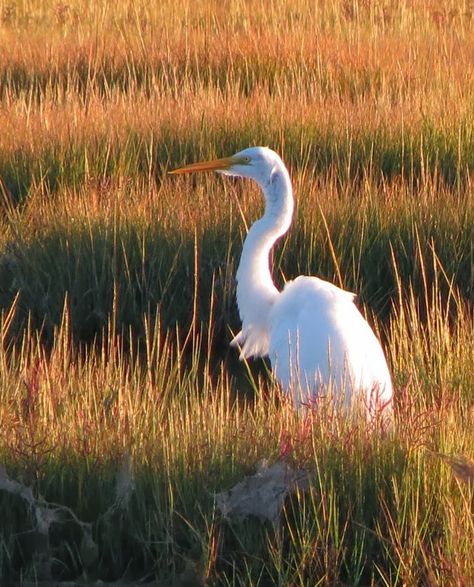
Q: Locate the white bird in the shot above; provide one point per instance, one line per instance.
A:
(317, 340)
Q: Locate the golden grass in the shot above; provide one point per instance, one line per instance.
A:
(243, 63)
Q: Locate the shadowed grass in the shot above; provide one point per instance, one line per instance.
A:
(115, 250)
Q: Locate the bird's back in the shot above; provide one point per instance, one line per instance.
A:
(320, 341)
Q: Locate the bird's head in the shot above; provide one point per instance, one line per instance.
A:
(256, 163)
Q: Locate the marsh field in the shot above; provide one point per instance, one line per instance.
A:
(122, 410)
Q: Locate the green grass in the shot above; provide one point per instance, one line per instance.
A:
(120, 400)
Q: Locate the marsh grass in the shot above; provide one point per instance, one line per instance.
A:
(119, 398)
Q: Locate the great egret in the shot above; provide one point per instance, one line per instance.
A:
(315, 336)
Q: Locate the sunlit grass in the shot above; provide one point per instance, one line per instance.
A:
(374, 501)
(119, 397)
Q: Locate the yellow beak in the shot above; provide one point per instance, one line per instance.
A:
(214, 165)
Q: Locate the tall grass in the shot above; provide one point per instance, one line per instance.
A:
(119, 399)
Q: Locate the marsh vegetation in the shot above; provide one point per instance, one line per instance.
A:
(119, 398)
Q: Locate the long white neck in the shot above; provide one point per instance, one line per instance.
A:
(256, 291)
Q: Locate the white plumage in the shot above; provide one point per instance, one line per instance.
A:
(315, 336)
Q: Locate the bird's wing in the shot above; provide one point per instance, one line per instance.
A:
(252, 341)
(318, 337)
